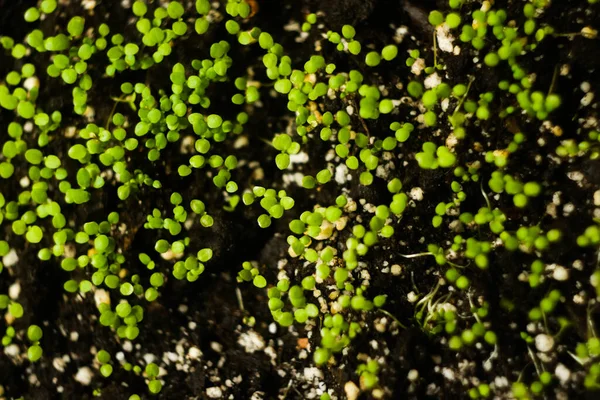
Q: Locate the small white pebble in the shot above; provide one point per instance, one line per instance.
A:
(194, 353)
(272, 328)
(101, 296)
(12, 350)
(432, 81)
(418, 66)
(59, 364)
(251, 341)
(149, 358)
(575, 176)
(352, 391)
(413, 375)
(587, 99)
(300, 158)
(448, 374)
(544, 343)
(444, 38)
(24, 182)
(84, 376)
(14, 290)
(501, 382)
(560, 273)
(341, 171)
(562, 373)
(312, 373)
(412, 297)
(585, 86)
(214, 392)
(416, 194)
(10, 259)
(31, 82)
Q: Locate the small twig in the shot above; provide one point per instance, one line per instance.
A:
(485, 196)
(266, 141)
(545, 322)
(462, 100)
(362, 121)
(112, 112)
(554, 76)
(590, 323)
(579, 360)
(428, 253)
(434, 49)
(392, 317)
(427, 298)
(412, 279)
(287, 389)
(473, 306)
(238, 294)
(537, 369)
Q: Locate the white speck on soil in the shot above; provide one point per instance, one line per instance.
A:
(341, 170)
(544, 343)
(587, 99)
(251, 341)
(432, 81)
(149, 358)
(300, 158)
(12, 350)
(194, 353)
(501, 382)
(444, 38)
(10, 259)
(214, 392)
(272, 328)
(585, 86)
(412, 297)
(84, 376)
(560, 273)
(216, 347)
(14, 290)
(568, 209)
(562, 373)
(352, 391)
(31, 82)
(416, 194)
(448, 374)
(418, 66)
(312, 373)
(413, 375)
(24, 182)
(59, 364)
(101, 296)
(575, 176)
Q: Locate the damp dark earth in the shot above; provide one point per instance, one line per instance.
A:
(307, 199)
